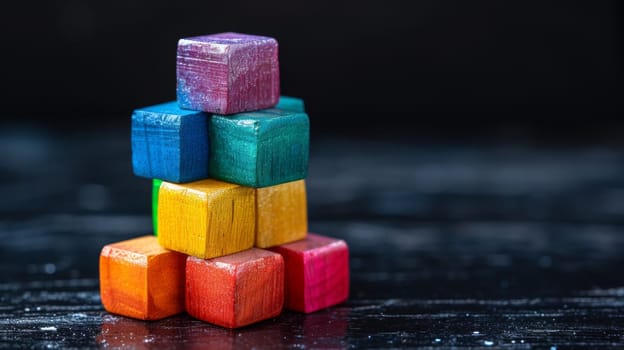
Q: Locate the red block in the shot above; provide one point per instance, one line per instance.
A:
(235, 290)
(317, 272)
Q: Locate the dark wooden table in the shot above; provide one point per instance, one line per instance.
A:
(451, 246)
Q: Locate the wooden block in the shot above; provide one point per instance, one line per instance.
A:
(317, 272)
(290, 104)
(235, 290)
(170, 143)
(206, 218)
(140, 279)
(227, 73)
(259, 149)
(281, 214)
(155, 188)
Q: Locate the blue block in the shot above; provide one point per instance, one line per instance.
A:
(290, 104)
(261, 148)
(170, 143)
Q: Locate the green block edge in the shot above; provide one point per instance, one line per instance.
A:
(155, 189)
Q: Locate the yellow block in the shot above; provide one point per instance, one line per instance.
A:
(281, 214)
(206, 218)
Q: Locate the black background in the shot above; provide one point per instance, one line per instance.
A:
(441, 69)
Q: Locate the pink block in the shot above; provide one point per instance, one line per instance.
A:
(227, 73)
(317, 272)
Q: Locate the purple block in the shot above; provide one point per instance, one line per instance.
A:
(227, 73)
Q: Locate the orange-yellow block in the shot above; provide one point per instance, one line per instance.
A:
(140, 279)
(281, 214)
(206, 218)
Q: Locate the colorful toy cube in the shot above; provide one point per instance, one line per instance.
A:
(281, 214)
(259, 149)
(235, 290)
(290, 104)
(170, 143)
(317, 272)
(206, 218)
(155, 188)
(140, 279)
(227, 73)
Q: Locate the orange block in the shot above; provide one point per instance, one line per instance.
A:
(140, 279)
(206, 218)
(281, 214)
(235, 290)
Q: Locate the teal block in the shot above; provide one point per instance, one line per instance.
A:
(290, 104)
(261, 148)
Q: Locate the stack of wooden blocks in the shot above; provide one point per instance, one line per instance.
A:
(228, 161)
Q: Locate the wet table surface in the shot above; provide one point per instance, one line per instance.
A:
(451, 246)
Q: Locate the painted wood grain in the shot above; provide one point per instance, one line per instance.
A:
(169, 143)
(140, 279)
(281, 214)
(235, 290)
(261, 148)
(227, 73)
(206, 218)
(317, 272)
